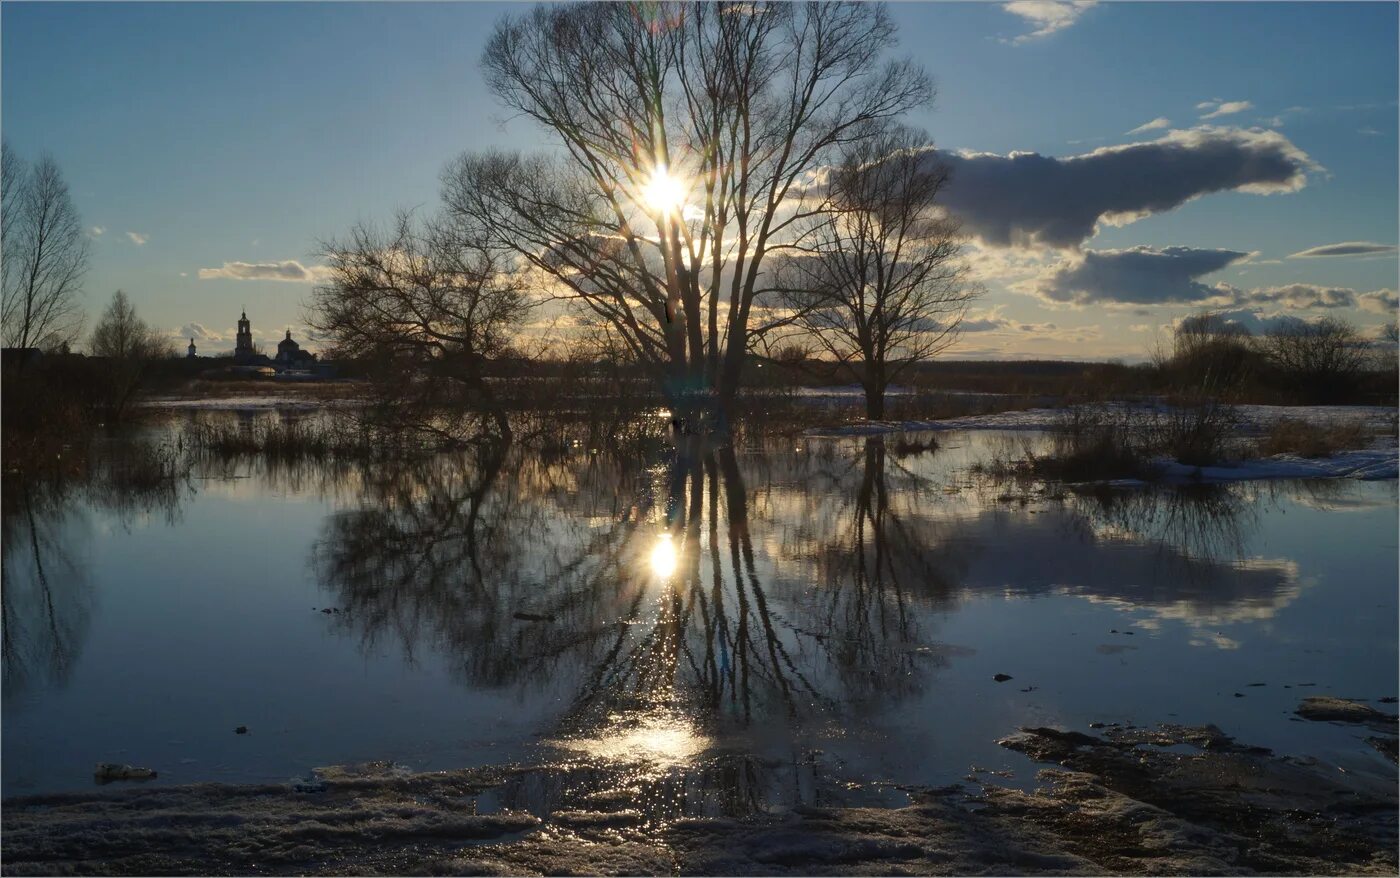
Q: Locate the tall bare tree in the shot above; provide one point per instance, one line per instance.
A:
(423, 297)
(685, 131)
(880, 284)
(129, 344)
(45, 253)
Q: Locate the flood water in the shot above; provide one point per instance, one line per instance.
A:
(785, 622)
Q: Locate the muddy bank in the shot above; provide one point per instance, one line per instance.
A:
(1164, 800)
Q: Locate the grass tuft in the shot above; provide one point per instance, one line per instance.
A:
(1309, 439)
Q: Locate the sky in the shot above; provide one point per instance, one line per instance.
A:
(1117, 166)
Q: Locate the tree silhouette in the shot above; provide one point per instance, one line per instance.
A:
(686, 133)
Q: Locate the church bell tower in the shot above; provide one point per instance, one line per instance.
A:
(243, 347)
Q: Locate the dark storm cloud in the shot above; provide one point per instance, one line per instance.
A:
(1137, 276)
(1026, 199)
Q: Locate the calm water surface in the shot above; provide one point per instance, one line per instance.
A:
(810, 621)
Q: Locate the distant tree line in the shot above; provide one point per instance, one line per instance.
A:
(1293, 360)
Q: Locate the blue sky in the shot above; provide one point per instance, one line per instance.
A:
(195, 135)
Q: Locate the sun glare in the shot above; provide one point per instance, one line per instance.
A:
(663, 557)
(658, 740)
(664, 192)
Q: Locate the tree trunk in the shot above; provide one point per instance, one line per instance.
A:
(875, 382)
(874, 402)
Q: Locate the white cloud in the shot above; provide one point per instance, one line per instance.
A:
(1346, 248)
(98, 230)
(1220, 108)
(1256, 320)
(1298, 296)
(1046, 16)
(1159, 122)
(1379, 302)
(288, 270)
(137, 238)
(198, 332)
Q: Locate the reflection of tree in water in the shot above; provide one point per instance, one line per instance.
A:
(876, 558)
(46, 601)
(642, 588)
(447, 551)
(715, 592)
(1192, 525)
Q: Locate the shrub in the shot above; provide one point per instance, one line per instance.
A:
(1307, 439)
(1195, 432)
(1091, 443)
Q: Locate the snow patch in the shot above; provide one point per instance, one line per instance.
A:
(1369, 464)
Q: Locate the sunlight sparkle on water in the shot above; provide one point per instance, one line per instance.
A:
(663, 738)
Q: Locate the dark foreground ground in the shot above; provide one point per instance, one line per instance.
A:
(1169, 800)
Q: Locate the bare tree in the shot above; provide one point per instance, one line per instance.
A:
(1321, 358)
(122, 335)
(129, 344)
(1384, 349)
(880, 285)
(14, 175)
(45, 255)
(423, 298)
(686, 131)
(1209, 355)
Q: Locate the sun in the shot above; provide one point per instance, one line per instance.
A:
(664, 192)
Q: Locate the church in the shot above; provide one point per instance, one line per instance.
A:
(289, 353)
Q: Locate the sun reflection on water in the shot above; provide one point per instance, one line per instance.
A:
(661, 740)
(663, 557)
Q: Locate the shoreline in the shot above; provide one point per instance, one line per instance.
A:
(1128, 800)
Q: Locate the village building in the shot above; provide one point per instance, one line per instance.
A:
(291, 356)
